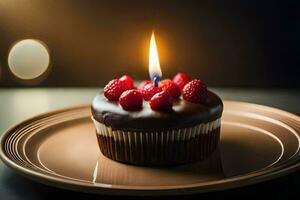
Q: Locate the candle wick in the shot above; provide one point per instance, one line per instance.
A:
(155, 80)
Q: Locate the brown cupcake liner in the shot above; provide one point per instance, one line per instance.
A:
(168, 147)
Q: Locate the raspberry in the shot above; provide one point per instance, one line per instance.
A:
(131, 100)
(143, 84)
(149, 90)
(161, 101)
(171, 87)
(195, 91)
(128, 81)
(181, 79)
(114, 89)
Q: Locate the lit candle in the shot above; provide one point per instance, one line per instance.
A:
(154, 66)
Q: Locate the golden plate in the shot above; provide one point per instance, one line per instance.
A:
(59, 148)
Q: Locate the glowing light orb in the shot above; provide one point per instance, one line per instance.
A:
(28, 59)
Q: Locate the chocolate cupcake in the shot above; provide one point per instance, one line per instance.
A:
(189, 132)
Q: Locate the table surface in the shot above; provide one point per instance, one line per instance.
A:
(19, 104)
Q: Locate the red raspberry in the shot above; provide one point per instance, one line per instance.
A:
(143, 84)
(149, 90)
(171, 87)
(161, 101)
(131, 100)
(195, 91)
(181, 79)
(128, 81)
(114, 89)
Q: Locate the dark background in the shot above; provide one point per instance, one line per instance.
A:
(225, 43)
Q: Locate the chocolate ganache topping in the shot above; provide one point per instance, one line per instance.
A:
(184, 114)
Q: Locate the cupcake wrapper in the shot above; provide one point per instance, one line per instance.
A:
(160, 147)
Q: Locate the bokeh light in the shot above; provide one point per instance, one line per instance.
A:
(28, 59)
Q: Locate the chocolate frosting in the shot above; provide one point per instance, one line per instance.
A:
(184, 114)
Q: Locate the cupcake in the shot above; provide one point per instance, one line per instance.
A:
(173, 123)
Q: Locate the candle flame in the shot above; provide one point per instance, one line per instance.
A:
(154, 66)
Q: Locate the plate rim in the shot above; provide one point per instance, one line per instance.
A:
(227, 183)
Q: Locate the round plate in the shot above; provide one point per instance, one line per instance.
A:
(60, 149)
